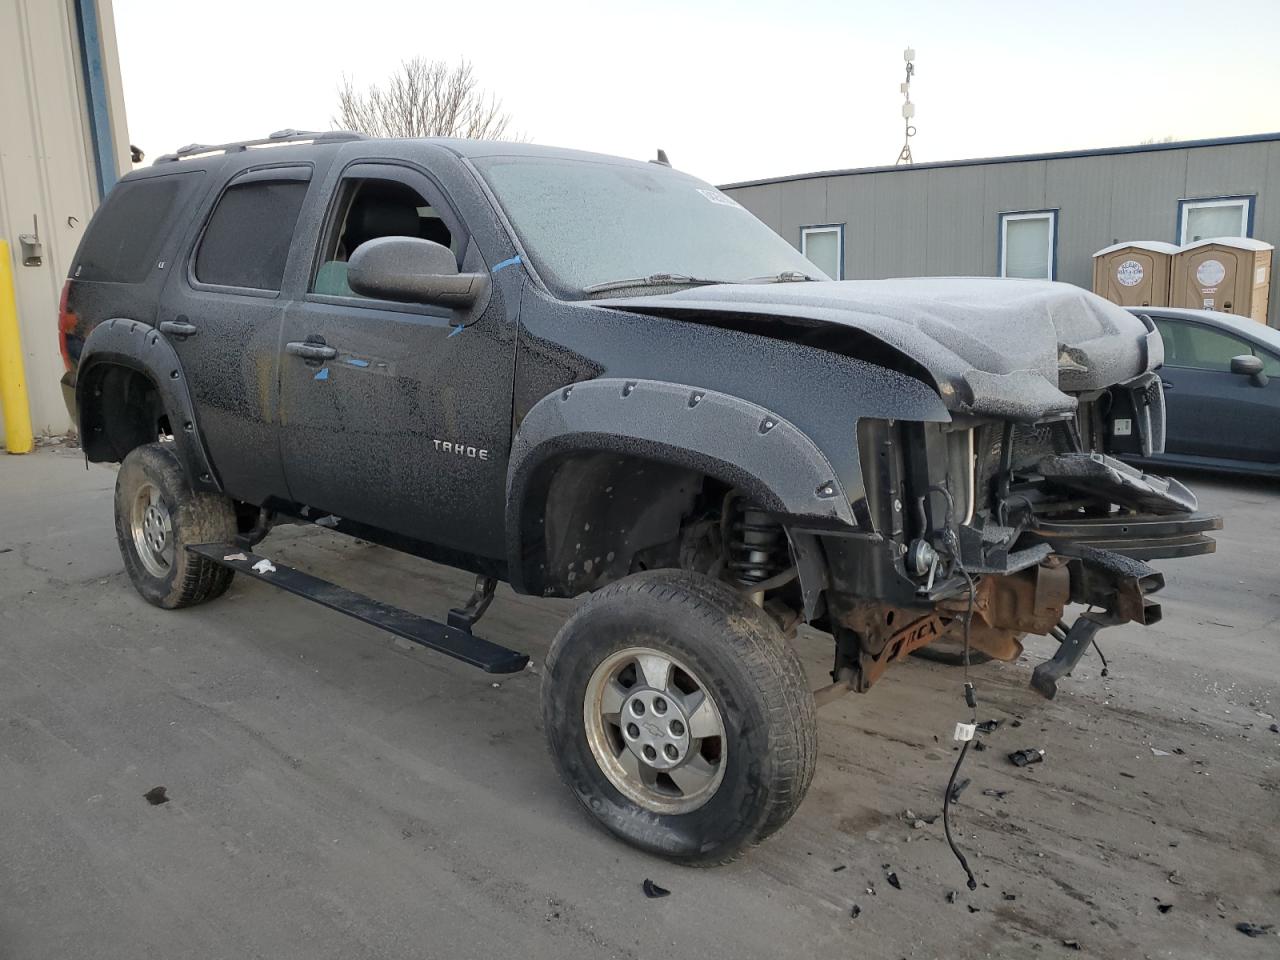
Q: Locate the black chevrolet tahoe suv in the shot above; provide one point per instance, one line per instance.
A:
(583, 375)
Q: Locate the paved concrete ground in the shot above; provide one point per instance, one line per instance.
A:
(337, 795)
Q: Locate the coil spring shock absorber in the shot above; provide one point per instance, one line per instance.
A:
(756, 550)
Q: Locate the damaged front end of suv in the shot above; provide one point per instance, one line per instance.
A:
(1012, 507)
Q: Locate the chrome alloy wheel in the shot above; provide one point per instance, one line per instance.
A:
(655, 730)
(152, 530)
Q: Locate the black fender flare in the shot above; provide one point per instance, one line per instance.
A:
(741, 443)
(141, 347)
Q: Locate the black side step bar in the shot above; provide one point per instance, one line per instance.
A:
(451, 641)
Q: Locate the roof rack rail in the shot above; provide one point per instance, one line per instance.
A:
(280, 136)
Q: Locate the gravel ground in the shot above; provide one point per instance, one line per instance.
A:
(336, 793)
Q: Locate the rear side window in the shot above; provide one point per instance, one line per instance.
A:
(246, 242)
(125, 236)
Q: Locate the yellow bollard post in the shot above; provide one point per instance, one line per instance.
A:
(13, 382)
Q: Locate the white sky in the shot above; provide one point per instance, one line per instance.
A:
(731, 90)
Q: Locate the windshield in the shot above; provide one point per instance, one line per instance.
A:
(589, 223)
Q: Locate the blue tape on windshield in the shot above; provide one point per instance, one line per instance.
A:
(507, 263)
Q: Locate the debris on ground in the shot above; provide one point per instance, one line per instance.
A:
(1164, 907)
(855, 912)
(839, 868)
(893, 881)
(1274, 728)
(998, 794)
(979, 746)
(235, 556)
(959, 789)
(264, 566)
(972, 908)
(988, 726)
(1071, 944)
(1008, 896)
(1254, 929)
(1022, 758)
(1176, 878)
(1156, 752)
(653, 891)
(156, 796)
(330, 521)
(951, 895)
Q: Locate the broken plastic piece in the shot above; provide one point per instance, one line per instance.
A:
(1254, 929)
(1022, 758)
(264, 566)
(988, 726)
(1071, 944)
(653, 891)
(855, 912)
(330, 521)
(156, 796)
(893, 881)
(998, 794)
(235, 556)
(1160, 753)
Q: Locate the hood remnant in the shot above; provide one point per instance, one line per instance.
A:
(994, 347)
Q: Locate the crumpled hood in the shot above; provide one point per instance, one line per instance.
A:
(995, 347)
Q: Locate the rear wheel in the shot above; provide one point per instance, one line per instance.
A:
(157, 516)
(679, 716)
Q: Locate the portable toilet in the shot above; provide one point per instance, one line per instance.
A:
(1134, 274)
(1227, 274)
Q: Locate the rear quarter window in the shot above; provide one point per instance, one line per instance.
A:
(124, 238)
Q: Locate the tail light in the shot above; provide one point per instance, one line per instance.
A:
(67, 322)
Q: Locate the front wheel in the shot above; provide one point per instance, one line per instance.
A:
(679, 716)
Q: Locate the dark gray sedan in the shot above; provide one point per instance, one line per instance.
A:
(1222, 390)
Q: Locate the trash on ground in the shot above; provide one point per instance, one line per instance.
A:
(1176, 878)
(893, 881)
(1071, 944)
(235, 556)
(1274, 728)
(1254, 929)
(959, 789)
(989, 726)
(1155, 752)
(653, 891)
(1022, 758)
(156, 796)
(998, 794)
(264, 566)
(839, 868)
(855, 912)
(972, 908)
(330, 521)
(1164, 907)
(951, 895)
(1008, 896)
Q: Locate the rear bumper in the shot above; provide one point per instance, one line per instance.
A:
(69, 397)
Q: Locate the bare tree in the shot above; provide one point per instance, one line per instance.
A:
(424, 98)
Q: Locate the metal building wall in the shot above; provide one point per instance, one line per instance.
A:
(49, 168)
(944, 220)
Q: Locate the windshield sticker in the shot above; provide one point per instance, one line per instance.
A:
(715, 196)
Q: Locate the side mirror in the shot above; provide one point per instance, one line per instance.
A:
(1247, 365)
(412, 270)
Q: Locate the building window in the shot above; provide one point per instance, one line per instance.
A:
(1214, 217)
(1029, 244)
(823, 245)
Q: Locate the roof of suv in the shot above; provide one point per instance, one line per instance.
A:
(459, 146)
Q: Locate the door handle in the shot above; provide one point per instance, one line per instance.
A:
(311, 351)
(178, 328)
